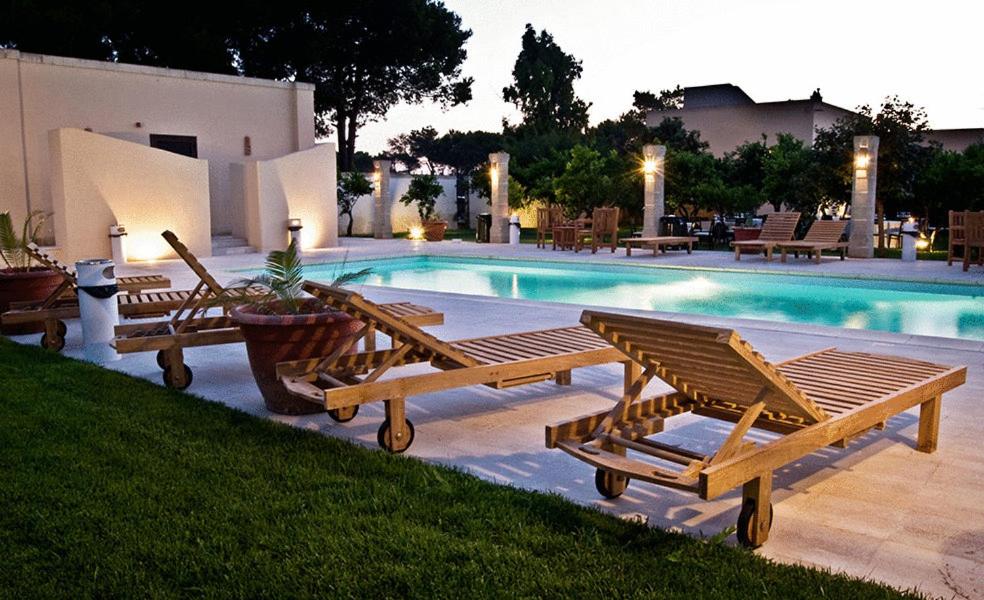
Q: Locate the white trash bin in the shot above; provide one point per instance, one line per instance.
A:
(908, 233)
(98, 308)
(117, 238)
(514, 230)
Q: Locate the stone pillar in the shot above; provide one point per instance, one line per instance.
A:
(652, 199)
(865, 168)
(382, 199)
(499, 166)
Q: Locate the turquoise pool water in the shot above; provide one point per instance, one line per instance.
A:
(955, 311)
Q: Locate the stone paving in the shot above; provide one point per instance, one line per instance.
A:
(879, 509)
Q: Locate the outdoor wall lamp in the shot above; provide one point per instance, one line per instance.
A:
(861, 161)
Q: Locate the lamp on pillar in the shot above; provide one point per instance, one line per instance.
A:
(861, 242)
(653, 161)
(499, 177)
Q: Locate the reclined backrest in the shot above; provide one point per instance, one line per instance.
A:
(707, 364)
(779, 227)
(825, 232)
(353, 304)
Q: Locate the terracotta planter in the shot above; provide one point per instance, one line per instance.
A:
(25, 286)
(271, 339)
(434, 230)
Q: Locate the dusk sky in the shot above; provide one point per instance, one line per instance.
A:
(856, 52)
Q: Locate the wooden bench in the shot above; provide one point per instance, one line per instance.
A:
(659, 244)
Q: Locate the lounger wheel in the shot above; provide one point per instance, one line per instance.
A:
(161, 359)
(610, 485)
(55, 344)
(62, 329)
(345, 414)
(744, 531)
(169, 381)
(384, 438)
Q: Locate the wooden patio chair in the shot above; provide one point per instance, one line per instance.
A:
(973, 239)
(823, 235)
(778, 227)
(547, 217)
(824, 398)
(190, 325)
(604, 224)
(63, 302)
(956, 230)
(342, 382)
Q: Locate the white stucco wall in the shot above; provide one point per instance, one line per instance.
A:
(40, 93)
(301, 185)
(98, 181)
(402, 217)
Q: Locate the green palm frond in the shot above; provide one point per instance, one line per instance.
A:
(13, 248)
(347, 278)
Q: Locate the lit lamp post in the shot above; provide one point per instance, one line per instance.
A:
(499, 175)
(382, 200)
(653, 161)
(865, 169)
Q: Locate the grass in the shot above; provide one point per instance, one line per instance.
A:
(113, 486)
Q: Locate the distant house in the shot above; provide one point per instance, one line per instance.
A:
(727, 117)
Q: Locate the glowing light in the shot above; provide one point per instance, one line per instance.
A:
(145, 248)
(922, 243)
(862, 159)
(650, 166)
(416, 232)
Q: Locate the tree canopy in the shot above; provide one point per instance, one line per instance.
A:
(543, 85)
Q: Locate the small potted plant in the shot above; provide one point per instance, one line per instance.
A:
(286, 324)
(424, 191)
(20, 279)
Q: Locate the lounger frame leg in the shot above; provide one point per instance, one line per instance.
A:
(562, 377)
(929, 425)
(737, 252)
(759, 491)
(397, 437)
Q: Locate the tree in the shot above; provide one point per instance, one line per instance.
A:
(589, 180)
(412, 149)
(951, 181)
(462, 153)
(671, 133)
(351, 187)
(790, 170)
(543, 85)
(347, 50)
(691, 176)
(645, 102)
(424, 191)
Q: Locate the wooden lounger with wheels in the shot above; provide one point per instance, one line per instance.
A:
(820, 399)
(63, 303)
(659, 243)
(823, 235)
(190, 326)
(342, 382)
(778, 227)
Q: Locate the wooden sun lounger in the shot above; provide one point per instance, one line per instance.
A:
(820, 399)
(778, 227)
(823, 235)
(190, 326)
(343, 382)
(63, 302)
(659, 243)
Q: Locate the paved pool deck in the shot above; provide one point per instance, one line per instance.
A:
(878, 510)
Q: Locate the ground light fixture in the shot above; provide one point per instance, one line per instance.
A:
(416, 232)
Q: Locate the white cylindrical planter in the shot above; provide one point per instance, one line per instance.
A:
(98, 308)
(908, 234)
(514, 230)
(117, 239)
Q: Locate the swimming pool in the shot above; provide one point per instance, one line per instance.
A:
(955, 311)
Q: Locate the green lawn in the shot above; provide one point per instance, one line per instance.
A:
(113, 486)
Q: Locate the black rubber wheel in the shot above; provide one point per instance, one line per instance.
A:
(61, 328)
(383, 434)
(344, 415)
(161, 359)
(167, 378)
(610, 485)
(55, 344)
(744, 532)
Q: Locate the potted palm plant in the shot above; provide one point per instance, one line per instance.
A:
(424, 191)
(20, 279)
(285, 323)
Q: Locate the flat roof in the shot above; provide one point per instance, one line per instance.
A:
(102, 65)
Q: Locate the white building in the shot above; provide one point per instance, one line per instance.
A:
(224, 128)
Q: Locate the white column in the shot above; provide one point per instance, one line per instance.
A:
(653, 174)
(499, 165)
(382, 199)
(865, 168)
